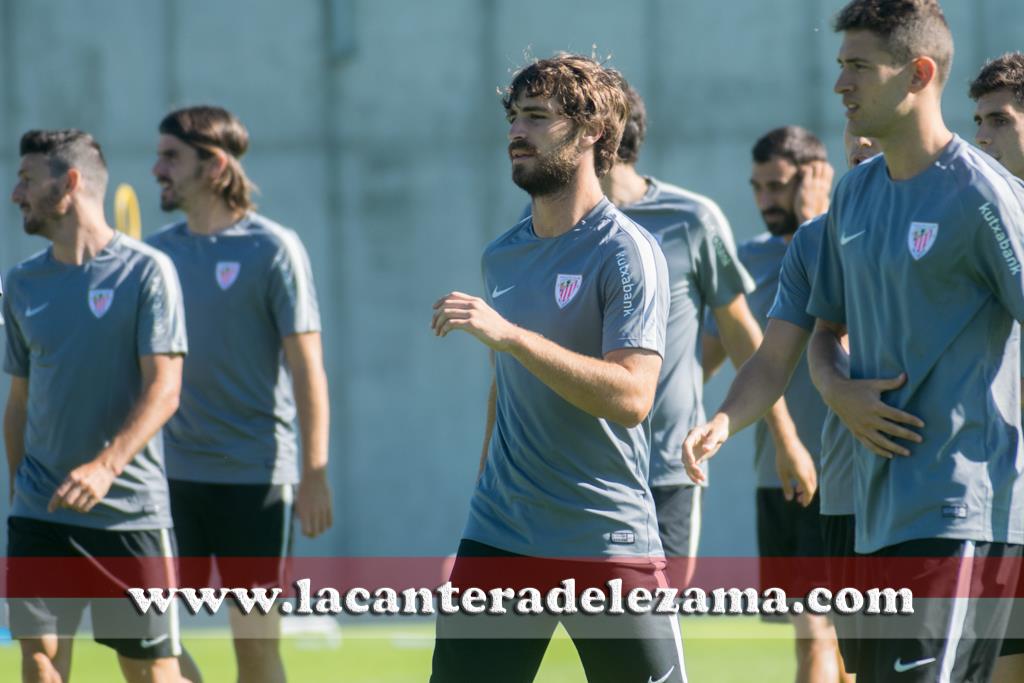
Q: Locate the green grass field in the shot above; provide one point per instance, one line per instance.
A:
(718, 649)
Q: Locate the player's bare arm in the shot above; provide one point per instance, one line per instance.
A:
(757, 390)
(741, 337)
(712, 356)
(858, 402)
(492, 407)
(304, 355)
(620, 387)
(15, 418)
(87, 484)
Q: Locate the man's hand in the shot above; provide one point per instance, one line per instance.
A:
(859, 405)
(458, 311)
(813, 190)
(701, 443)
(313, 503)
(84, 487)
(795, 468)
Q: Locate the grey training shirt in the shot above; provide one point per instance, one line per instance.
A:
(558, 481)
(76, 333)
(703, 271)
(927, 275)
(835, 475)
(763, 257)
(245, 288)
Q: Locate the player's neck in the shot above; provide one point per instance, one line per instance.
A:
(556, 214)
(916, 144)
(623, 185)
(82, 235)
(211, 215)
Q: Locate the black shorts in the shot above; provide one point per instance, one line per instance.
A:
(679, 517)
(98, 567)
(1013, 643)
(947, 638)
(839, 535)
(245, 528)
(509, 648)
(786, 529)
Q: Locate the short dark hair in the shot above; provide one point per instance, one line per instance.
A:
(797, 145)
(587, 92)
(909, 28)
(635, 131)
(66, 149)
(207, 128)
(1002, 73)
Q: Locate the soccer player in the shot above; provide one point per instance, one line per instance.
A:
(574, 311)
(764, 378)
(703, 272)
(998, 92)
(791, 179)
(95, 339)
(920, 264)
(255, 362)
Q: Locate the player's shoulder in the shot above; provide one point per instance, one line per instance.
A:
(866, 172)
(166, 235)
(618, 229)
(26, 267)
(138, 254)
(810, 232)
(517, 233)
(260, 227)
(761, 242)
(981, 179)
(681, 199)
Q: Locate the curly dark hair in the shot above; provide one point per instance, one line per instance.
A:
(909, 28)
(587, 92)
(797, 145)
(1002, 73)
(636, 127)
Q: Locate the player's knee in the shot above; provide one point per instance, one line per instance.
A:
(38, 668)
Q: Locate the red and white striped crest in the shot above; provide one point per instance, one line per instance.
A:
(921, 237)
(566, 287)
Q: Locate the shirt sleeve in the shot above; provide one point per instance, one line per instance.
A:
(794, 291)
(720, 275)
(999, 248)
(161, 317)
(292, 296)
(16, 358)
(634, 283)
(828, 288)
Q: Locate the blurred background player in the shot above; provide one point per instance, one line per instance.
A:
(791, 179)
(703, 272)
(575, 313)
(998, 92)
(764, 378)
(95, 337)
(925, 239)
(255, 361)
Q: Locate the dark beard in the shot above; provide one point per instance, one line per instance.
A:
(44, 216)
(786, 226)
(551, 173)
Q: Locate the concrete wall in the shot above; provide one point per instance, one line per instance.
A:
(378, 135)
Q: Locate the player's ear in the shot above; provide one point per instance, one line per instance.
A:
(72, 180)
(589, 134)
(925, 70)
(218, 162)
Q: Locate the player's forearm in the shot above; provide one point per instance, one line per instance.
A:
(596, 386)
(492, 408)
(740, 334)
(758, 386)
(155, 405)
(312, 402)
(827, 360)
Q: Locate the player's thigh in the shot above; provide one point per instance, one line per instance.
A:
(192, 522)
(38, 567)
(629, 647)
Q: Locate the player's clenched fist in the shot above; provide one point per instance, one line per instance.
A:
(458, 311)
(701, 443)
(84, 487)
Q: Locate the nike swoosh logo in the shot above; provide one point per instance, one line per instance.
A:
(650, 679)
(846, 239)
(155, 641)
(498, 292)
(900, 667)
(29, 312)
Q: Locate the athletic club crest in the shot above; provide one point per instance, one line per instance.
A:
(921, 238)
(100, 301)
(566, 288)
(226, 273)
